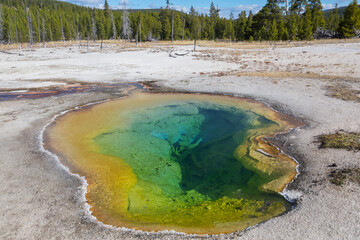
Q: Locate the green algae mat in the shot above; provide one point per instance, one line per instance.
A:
(189, 163)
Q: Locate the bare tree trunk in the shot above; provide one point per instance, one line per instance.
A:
(51, 36)
(137, 34)
(93, 28)
(43, 31)
(1, 25)
(113, 26)
(172, 27)
(76, 32)
(183, 33)
(127, 31)
(140, 31)
(9, 33)
(39, 30)
(20, 40)
(62, 31)
(17, 34)
(195, 44)
(214, 29)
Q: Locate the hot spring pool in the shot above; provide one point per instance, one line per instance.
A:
(189, 163)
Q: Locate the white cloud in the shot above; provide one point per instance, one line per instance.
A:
(252, 7)
(181, 8)
(85, 2)
(225, 12)
(328, 6)
(152, 5)
(126, 2)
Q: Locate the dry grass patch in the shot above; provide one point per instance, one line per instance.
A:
(344, 92)
(202, 43)
(341, 139)
(266, 44)
(340, 176)
(279, 74)
(276, 75)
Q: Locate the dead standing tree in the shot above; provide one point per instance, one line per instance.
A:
(183, 30)
(113, 25)
(39, 29)
(43, 31)
(126, 27)
(62, 31)
(93, 29)
(138, 32)
(16, 31)
(1, 26)
(30, 27)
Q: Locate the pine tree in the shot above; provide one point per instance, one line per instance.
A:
(297, 6)
(273, 33)
(229, 32)
(214, 12)
(283, 32)
(306, 24)
(294, 25)
(100, 30)
(165, 25)
(262, 34)
(195, 26)
(333, 20)
(248, 29)
(178, 26)
(214, 15)
(317, 14)
(240, 26)
(231, 16)
(106, 9)
(350, 21)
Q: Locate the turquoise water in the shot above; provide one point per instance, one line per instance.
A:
(187, 149)
(189, 163)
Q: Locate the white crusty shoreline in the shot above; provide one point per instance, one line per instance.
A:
(41, 199)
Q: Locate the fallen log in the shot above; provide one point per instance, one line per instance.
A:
(175, 54)
(170, 54)
(182, 54)
(10, 53)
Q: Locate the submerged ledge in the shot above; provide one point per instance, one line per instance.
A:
(71, 136)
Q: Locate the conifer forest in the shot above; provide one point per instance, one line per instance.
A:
(41, 21)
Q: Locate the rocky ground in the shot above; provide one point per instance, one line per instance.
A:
(41, 199)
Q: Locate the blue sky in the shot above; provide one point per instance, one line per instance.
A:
(202, 6)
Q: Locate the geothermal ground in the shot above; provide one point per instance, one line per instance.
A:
(316, 82)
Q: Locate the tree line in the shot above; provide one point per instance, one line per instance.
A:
(41, 21)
